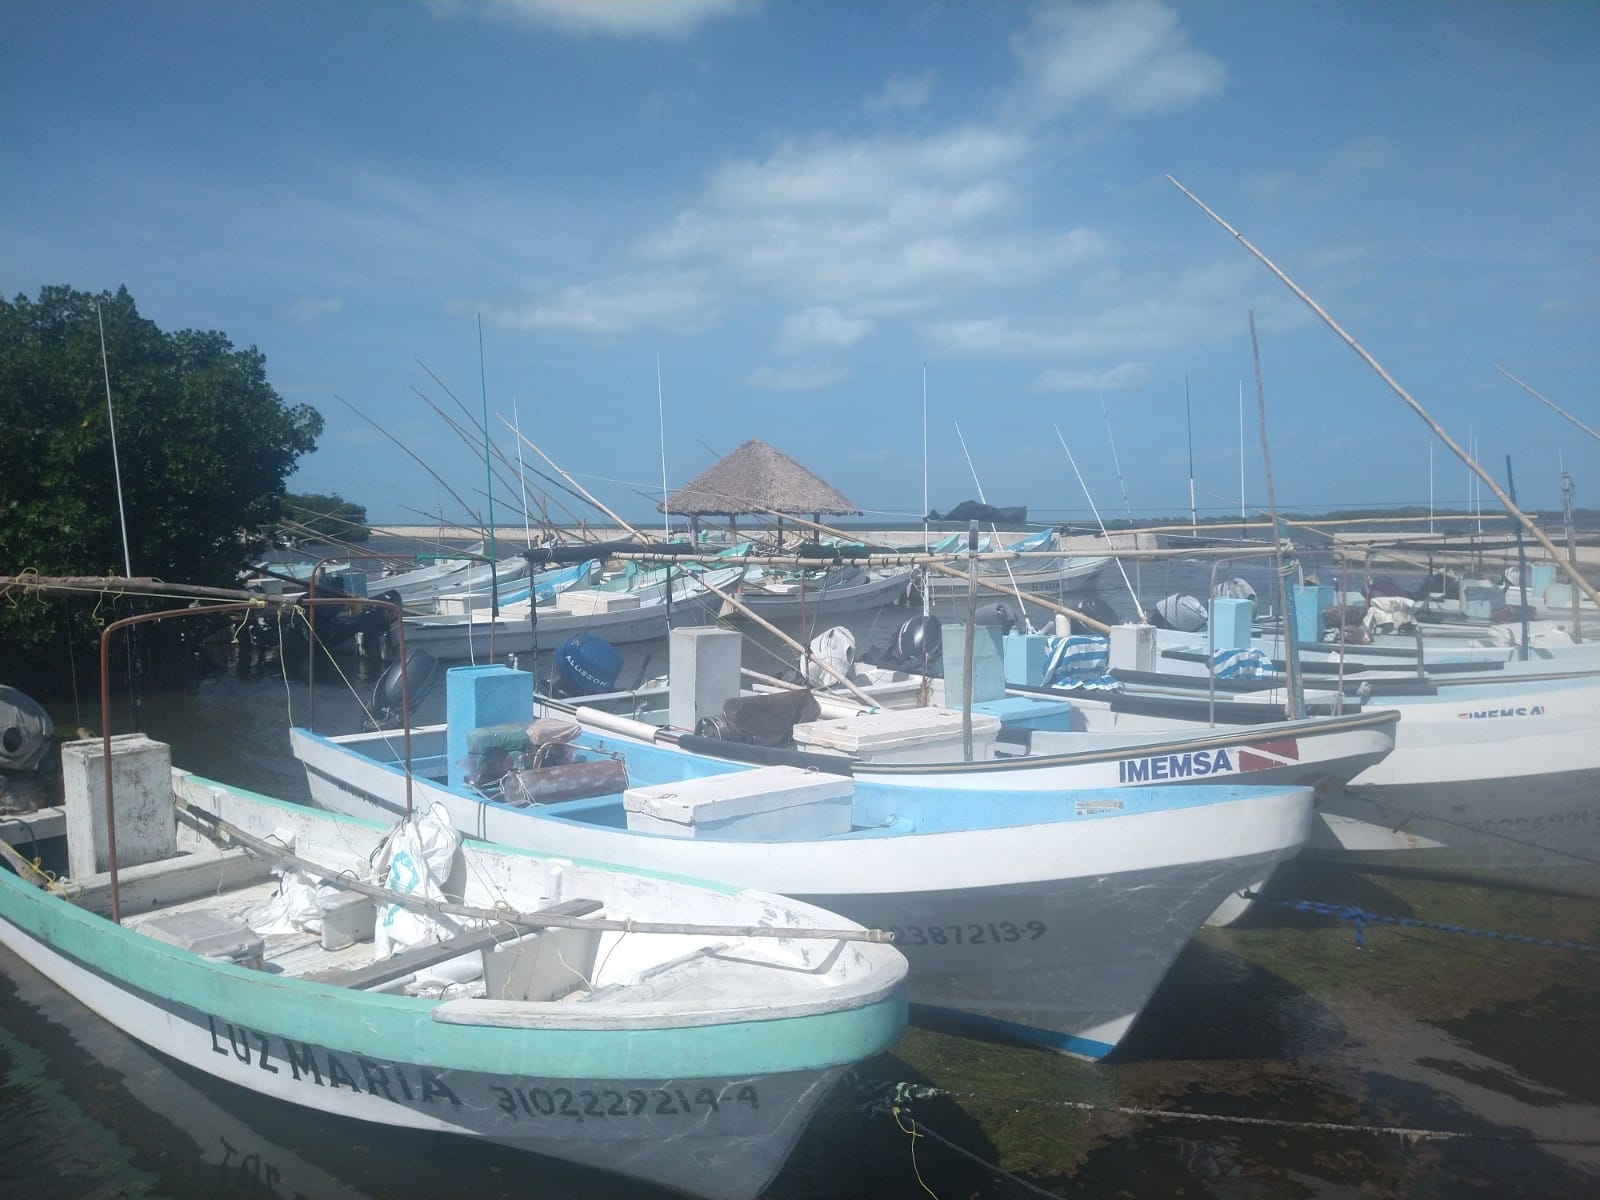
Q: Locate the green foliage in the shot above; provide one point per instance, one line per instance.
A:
(311, 516)
(203, 442)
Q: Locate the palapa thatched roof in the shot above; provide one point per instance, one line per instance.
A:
(755, 478)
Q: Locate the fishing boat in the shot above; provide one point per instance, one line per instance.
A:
(813, 597)
(1043, 916)
(674, 1033)
(1494, 776)
(620, 617)
(1035, 572)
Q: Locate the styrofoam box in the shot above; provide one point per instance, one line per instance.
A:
(762, 804)
(915, 735)
(589, 601)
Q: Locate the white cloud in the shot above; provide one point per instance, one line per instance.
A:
(614, 306)
(794, 379)
(1149, 314)
(1131, 56)
(1124, 375)
(903, 93)
(881, 225)
(821, 326)
(618, 18)
(309, 308)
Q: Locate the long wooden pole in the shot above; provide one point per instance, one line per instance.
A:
(1544, 400)
(984, 583)
(1488, 480)
(827, 666)
(582, 491)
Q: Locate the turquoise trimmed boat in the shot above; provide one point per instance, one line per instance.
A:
(667, 1030)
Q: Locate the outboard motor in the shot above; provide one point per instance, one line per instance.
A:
(586, 664)
(1000, 614)
(372, 624)
(837, 648)
(1236, 589)
(420, 671)
(1097, 608)
(918, 645)
(1183, 613)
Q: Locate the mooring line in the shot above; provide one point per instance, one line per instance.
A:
(1362, 918)
(905, 1093)
(909, 1124)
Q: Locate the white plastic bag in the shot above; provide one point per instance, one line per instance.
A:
(415, 861)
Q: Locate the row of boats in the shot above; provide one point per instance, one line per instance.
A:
(647, 931)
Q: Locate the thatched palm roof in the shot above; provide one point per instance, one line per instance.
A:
(755, 478)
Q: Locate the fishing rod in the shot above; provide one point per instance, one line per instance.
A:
(1137, 607)
(994, 529)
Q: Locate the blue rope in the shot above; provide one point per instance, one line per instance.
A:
(1362, 918)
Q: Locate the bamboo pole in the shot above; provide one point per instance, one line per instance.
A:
(787, 640)
(1537, 396)
(939, 565)
(582, 491)
(1499, 493)
(221, 829)
(141, 584)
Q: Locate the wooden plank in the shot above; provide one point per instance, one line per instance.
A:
(409, 962)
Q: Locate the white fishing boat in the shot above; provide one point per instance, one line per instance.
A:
(1041, 915)
(674, 1033)
(1495, 776)
(477, 634)
(818, 597)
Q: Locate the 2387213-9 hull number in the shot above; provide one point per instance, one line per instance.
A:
(994, 933)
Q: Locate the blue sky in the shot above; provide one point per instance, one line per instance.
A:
(814, 215)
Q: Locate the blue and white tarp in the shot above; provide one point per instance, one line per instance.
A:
(1248, 663)
(1079, 662)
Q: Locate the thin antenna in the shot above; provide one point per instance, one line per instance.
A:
(1242, 516)
(488, 476)
(1430, 485)
(925, 509)
(1115, 461)
(522, 480)
(116, 467)
(1138, 564)
(1194, 520)
(1296, 702)
(661, 415)
(1137, 607)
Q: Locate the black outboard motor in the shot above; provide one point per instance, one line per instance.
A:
(998, 613)
(1096, 608)
(917, 646)
(372, 623)
(421, 672)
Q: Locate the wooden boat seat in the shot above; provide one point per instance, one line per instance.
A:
(409, 962)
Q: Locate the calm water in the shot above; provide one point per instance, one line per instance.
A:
(1303, 1050)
